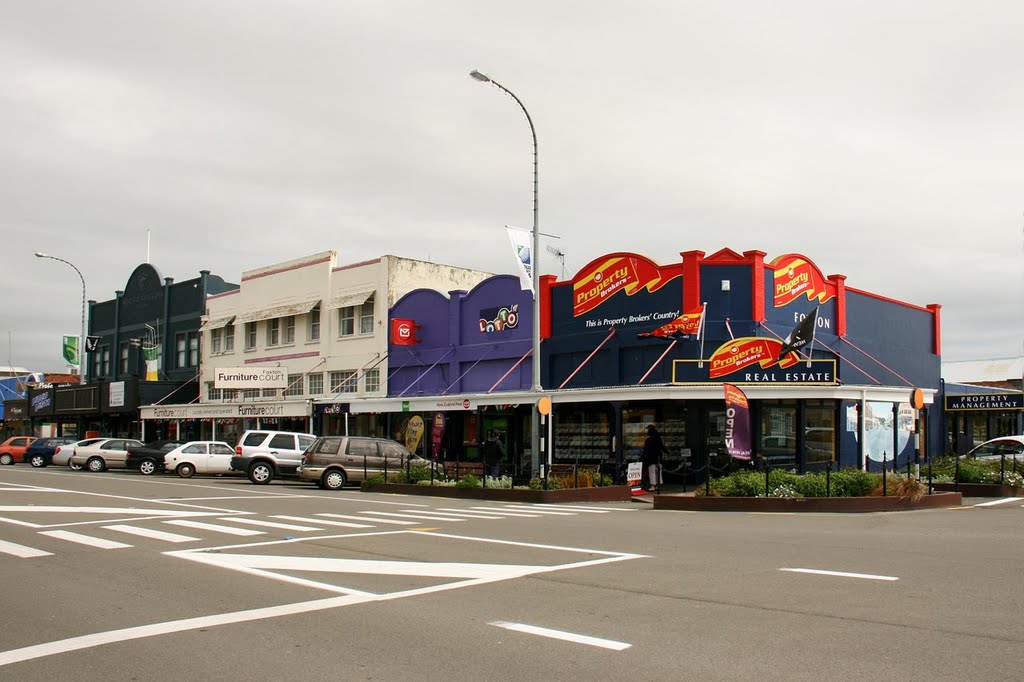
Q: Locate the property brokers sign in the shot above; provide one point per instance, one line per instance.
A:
(235, 378)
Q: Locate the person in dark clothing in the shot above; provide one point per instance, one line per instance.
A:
(493, 453)
(650, 457)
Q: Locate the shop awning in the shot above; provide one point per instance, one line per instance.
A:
(218, 323)
(350, 299)
(278, 311)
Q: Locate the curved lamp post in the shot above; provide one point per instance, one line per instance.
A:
(534, 273)
(81, 339)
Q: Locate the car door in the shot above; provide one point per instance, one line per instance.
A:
(196, 455)
(285, 449)
(114, 452)
(218, 461)
(362, 458)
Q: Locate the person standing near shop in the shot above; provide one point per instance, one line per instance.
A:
(493, 453)
(650, 457)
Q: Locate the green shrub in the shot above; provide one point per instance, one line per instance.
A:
(468, 481)
(853, 483)
(812, 485)
(538, 483)
(376, 479)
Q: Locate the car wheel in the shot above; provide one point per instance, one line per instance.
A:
(261, 473)
(95, 464)
(6, 459)
(334, 479)
(37, 461)
(147, 467)
(73, 466)
(185, 470)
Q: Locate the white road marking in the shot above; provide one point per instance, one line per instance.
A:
(21, 550)
(84, 539)
(342, 524)
(841, 574)
(568, 507)
(508, 512)
(216, 528)
(548, 512)
(562, 635)
(469, 514)
(155, 629)
(993, 503)
(152, 534)
(267, 524)
(419, 515)
(360, 518)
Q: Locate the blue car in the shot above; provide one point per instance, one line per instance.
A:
(40, 452)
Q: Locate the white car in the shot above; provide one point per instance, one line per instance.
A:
(1007, 446)
(200, 457)
(62, 455)
(107, 453)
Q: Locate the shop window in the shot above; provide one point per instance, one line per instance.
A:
(819, 433)
(295, 385)
(316, 383)
(669, 420)
(268, 392)
(251, 393)
(583, 434)
(344, 382)
(778, 434)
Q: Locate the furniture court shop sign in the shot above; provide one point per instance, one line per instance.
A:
(241, 378)
(294, 408)
(986, 401)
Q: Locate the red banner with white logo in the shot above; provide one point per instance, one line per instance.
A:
(403, 332)
(796, 276)
(687, 323)
(607, 276)
(743, 353)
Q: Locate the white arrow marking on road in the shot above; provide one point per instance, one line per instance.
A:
(562, 635)
(841, 574)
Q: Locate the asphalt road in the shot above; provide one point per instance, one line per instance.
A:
(117, 576)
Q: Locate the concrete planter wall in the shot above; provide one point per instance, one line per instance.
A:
(979, 489)
(806, 504)
(611, 493)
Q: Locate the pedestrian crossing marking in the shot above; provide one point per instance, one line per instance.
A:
(267, 524)
(342, 524)
(393, 522)
(216, 528)
(21, 550)
(81, 539)
(152, 534)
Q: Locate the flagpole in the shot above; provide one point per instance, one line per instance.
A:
(700, 332)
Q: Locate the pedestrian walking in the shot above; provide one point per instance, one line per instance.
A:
(493, 453)
(650, 457)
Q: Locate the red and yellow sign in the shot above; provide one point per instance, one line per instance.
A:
(607, 276)
(687, 323)
(742, 353)
(795, 275)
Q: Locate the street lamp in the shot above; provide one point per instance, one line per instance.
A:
(81, 339)
(534, 273)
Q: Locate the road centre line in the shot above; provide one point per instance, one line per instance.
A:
(84, 539)
(360, 518)
(841, 574)
(21, 550)
(993, 503)
(266, 524)
(152, 534)
(216, 528)
(419, 515)
(342, 524)
(562, 635)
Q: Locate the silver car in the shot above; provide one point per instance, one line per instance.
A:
(333, 461)
(62, 455)
(107, 453)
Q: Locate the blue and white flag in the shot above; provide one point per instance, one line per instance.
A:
(521, 246)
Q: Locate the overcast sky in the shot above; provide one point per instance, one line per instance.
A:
(882, 139)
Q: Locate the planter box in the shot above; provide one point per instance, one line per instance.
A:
(611, 493)
(979, 489)
(806, 504)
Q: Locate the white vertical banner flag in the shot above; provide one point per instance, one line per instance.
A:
(523, 249)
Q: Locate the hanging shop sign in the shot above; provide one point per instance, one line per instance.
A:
(986, 401)
(242, 378)
(499, 319)
(262, 410)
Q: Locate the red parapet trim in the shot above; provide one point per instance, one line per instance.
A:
(292, 356)
(890, 300)
(278, 271)
(725, 257)
(691, 279)
(356, 265)
(757, 283)
(839, 282)
(937, 321)
(546, 281)
(224, 293)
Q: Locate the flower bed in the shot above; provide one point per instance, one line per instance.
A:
(870, 503)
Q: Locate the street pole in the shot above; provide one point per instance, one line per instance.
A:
(81, 339)
(535, 387)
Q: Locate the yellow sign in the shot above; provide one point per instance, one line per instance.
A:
(414, 433)
(544, 405)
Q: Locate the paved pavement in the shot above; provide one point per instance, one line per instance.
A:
(120, 576)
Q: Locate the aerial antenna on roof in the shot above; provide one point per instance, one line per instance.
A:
(559, 254)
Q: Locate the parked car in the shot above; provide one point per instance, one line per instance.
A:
(61, 456)
(108, 453)
(200, 456)
(266, 455)
(334, 461)
(39, 452)
(13, 449)
(150, 457)
(997, 448)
